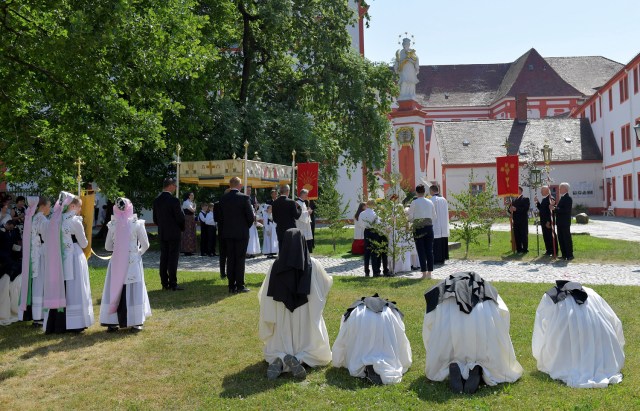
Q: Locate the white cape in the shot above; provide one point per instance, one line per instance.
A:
(301, 333)
(378, 339)
(581, 345)
(478, 338)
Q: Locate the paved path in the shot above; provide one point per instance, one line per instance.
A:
(510, 271)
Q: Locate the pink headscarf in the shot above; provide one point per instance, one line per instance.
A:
(25, 294)
(54, 293)
(122, 211)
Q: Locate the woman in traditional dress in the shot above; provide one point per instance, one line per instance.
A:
(125, 302)
(577, 337)
(372, 342)
(188, 243)
(357, 246)
(466, 334)
(270, 239)
(35, 228)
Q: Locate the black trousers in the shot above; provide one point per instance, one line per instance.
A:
(521, 235)
(371, 255)
(223, 257)
(204, 239)
(310, 245)
(236, 254)
(565, 241)
(547, 236)
(423, 237)
(169, 255)
(212, 232)
(440, 250)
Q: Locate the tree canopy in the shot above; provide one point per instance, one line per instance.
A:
(121, 82)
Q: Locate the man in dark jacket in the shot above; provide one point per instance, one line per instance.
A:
(520, 212)
(168, 216)
(550, 242)
(285, 213)
(563, 221)
(217, 216)
(237, 216)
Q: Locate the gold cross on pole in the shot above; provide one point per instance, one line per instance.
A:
(79, 163)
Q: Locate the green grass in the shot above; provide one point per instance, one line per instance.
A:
(200, 350)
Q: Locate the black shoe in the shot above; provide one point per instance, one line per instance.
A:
(388, 275)
(112, 329)
(275, 369)
(472, 383)
(569, 258)
(188, 254)
(367, 275)
(243, 290)
(455, 378)
(372, 375)
(165, 288)
(177, 288)
(295, 366)
(135, 329)
(232, 291)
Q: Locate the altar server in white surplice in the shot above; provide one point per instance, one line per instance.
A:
(253, 248)
(466, 334)
(292, 300)
(270, 238)
(440, 226)
(577, 338)
(304, 222)
(79, 310)
(125, 302)
(372, 342)
(35, 227)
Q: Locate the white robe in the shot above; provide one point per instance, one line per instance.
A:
(403, 257)
(441, 224)
(378, 339)
(135, 293)
(270, 238)
(304, 222)
(38, 231)
(301, 333)
(581, 345)
(478, 338)
(358, 230)
(79, 309)
(9, 298)
(253, 247)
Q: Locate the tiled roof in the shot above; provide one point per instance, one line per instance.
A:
(570, 139)
(473, 85)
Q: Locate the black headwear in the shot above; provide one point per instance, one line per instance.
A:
(468, 288)
(564, 288)
(290, 278)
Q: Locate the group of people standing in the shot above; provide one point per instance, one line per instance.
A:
(429, 219)
(555, 221)
(55, 291)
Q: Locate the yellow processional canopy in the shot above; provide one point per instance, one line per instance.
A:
(218, 173)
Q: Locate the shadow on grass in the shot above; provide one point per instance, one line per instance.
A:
(251, 380)
(340, 378)
(440, 392)
(196, 293)
(70, 341)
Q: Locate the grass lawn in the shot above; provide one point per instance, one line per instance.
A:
(200, 350)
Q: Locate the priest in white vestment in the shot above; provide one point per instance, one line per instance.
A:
(466, 334)
(577, 338)
(292, 300)
(372, 342)
(440, 226)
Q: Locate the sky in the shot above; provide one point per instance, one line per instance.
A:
(500, 31)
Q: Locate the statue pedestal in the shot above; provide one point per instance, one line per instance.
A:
(409, 145)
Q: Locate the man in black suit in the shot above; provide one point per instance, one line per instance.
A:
(550, 242)
(563, 220)
(168, 216)
(222, 245)
(285, 213)
(520, 212)
(236, 216)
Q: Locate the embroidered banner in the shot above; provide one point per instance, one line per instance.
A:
(507, 176)
(308, 179)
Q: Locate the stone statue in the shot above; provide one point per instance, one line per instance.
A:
(407, 66)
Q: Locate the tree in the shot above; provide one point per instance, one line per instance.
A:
(330, 210)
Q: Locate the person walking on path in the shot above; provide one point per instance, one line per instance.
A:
(168, 216)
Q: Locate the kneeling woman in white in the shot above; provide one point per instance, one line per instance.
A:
(292, 299)
(125, 302)
(577, 338)
(372, 342)
(466, 334)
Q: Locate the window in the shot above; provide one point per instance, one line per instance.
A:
(613, 189)
(638, 180)
(476, 188)
(625, 137)
(634, 136)
(612, 141)
(627, 187)
(592, 112)
(610, 100)
(624, 89)
(600, 106)
(636, 79)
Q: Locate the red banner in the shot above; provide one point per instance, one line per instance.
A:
(308, 179)
(507, 176)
